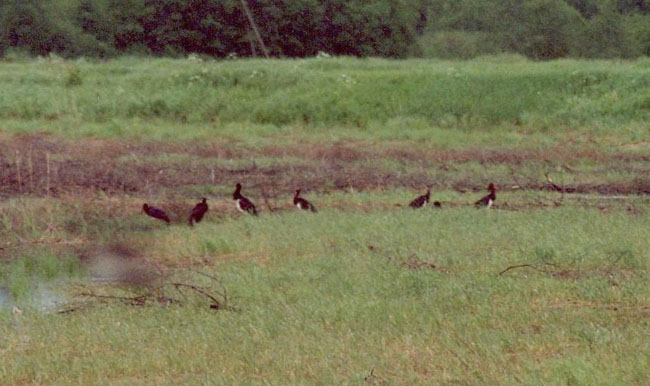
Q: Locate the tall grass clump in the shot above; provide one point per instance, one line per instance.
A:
(73, 77)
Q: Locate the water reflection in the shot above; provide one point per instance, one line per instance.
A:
(41, 296)
(5, 298)
(47, 292)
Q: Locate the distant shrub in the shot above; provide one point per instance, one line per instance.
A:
(637, 34)
(604, 36)
(457, 44)
(40, 28)
(16, 54)
(540, 29)
(549, 29)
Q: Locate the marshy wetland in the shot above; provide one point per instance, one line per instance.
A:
(547, 287)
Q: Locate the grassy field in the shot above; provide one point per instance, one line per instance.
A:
(548, 288)
(438, 101)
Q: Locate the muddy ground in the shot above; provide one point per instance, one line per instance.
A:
(46, 165)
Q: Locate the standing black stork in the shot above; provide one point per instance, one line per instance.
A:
(244, 205)
(155, 213)
(422, 201)
(301, 203)
(488, 200)
(198, 212)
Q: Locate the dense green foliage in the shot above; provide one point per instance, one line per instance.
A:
(289, 27)
(542, 29)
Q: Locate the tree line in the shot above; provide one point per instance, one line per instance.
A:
(540, 29)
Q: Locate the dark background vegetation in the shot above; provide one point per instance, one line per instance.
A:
(540, 29)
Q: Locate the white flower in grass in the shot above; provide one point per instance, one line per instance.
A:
(193, 57)
(348, 80)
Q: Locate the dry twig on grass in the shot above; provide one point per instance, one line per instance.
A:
(416, 263)
(374, 379)
(561, 273)
(609, 271)
(217, 299)
(523, 266)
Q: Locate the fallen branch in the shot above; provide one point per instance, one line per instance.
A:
(522, 266)
(224, 295)
(416, 263)
(139, 300)
(373, 379)
(215, 302)
(159, 294)
(562, 273)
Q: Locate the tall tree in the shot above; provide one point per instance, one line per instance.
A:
(549, 28)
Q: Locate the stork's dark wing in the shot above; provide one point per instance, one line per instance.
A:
(247, 206)
(418, 202)
(158, 213)
(305, 205)
(198, 212)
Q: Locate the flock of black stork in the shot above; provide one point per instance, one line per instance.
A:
(245, 205)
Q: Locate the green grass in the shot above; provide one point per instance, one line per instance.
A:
(325, 298)
(316, 305)
(343, 97)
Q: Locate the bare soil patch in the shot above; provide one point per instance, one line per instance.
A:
(43, 164)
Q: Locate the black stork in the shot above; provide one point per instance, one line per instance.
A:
(155, 212)
(243, 204)
(488, 200)
(422, 201)
(198, 212)
(301, 203)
